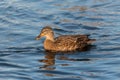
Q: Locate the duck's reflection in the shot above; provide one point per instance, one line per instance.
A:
(49, 61)
(50, 57)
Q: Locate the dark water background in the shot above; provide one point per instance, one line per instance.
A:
(23, 58)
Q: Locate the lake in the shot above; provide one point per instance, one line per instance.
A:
(24, 58)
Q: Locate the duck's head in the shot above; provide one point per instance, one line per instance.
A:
(46, 32)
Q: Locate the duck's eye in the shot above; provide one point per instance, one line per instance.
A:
(45, 32)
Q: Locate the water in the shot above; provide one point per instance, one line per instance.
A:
(23, 58)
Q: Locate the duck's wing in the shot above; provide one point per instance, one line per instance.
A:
(73, 40)
(66, 43)
(65, 40)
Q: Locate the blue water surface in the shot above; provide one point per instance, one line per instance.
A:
(24, 58)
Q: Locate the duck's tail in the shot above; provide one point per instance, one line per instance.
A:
(90, 41)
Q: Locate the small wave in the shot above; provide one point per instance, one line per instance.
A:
(11, 65)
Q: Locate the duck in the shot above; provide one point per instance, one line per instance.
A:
(63, 42)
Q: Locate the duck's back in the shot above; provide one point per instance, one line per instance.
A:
(71, 42)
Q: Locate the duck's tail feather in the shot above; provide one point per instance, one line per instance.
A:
(91, 41)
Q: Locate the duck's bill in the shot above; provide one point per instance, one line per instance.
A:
(38, 37)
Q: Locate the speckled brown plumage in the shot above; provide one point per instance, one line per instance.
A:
(64, 42)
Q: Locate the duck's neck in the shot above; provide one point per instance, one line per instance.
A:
(50, 37)
(49, 43)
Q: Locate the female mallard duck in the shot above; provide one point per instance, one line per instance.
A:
(64, 42)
